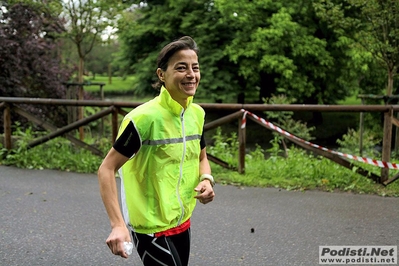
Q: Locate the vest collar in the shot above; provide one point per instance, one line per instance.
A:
(168, 102)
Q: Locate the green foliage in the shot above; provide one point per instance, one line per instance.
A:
(315, 51)
(99, 61)
(285, 46)
(145, 30)
(373, 24)
(57, 153)
(52, 7)
(350, 143)
(299, 171)
(284, 119)
(275, 149)
(226, 148)
(254, 48)
(87, 22)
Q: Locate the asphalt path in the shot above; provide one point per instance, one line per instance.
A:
(57, 218)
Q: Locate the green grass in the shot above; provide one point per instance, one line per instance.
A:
(299, 171)
(118, 84)
(120, 89)
(303, 174)
(352, 100)
(57, 153)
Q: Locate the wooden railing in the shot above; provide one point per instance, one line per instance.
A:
(11, 104)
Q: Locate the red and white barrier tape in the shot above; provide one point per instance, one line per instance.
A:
(374, 162)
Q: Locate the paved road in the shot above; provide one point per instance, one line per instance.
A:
(57, 218)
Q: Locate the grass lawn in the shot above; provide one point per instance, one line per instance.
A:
(352, 100)
(118, 84)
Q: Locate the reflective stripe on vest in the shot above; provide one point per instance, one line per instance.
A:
(170, 141)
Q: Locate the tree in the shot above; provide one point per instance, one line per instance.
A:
(260, 47)
(377, 25)
(145, 29)
(100, 59)
(284, 48)
(86, 21)
(28, 57)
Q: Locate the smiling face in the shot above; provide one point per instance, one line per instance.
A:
(182, 76)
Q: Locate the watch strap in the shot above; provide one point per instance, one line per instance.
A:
(208, 177)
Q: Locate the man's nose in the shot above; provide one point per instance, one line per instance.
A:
(190, 73)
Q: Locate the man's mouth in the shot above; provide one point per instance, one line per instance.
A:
(189, 84)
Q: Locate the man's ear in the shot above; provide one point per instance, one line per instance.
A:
(161, 75)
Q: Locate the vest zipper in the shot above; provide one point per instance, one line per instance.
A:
(181, 167)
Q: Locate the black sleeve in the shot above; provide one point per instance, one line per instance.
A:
(203, 143)
(128, 142)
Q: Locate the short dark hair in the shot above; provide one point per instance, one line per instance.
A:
(183, 43)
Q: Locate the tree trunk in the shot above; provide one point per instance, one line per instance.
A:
(80, 95)
(317, 117)
(267, 86)
(80, 70)
(386, 146)
(390, 82)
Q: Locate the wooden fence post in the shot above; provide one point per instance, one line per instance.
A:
(81, 111)
(103, 118)
(361, 131)
(386, 143)
(241, 149)
(7, 127)
(115, 124)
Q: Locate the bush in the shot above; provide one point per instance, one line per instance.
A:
(264, 168)
(284, 119)
(58, 153)
(350, 143)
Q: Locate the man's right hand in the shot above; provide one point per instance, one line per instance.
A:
(116, 238)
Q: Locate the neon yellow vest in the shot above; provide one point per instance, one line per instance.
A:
(158, 182)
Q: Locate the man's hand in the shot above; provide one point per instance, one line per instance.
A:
(116, 238)
(205, 192)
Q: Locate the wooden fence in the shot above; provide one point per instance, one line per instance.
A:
(11, 104)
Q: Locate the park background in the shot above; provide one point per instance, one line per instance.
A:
(269, 52)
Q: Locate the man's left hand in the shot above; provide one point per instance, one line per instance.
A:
(205, 192)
